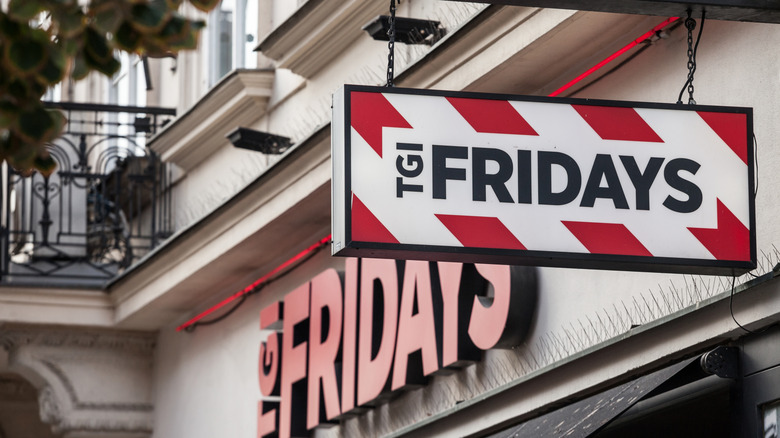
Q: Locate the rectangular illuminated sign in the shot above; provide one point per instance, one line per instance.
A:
(438, 175)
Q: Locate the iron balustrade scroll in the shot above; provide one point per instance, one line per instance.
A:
(107, 204)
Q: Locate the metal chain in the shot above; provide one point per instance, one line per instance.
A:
(391, 45)
(690, 24)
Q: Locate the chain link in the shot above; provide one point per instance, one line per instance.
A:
(391, 46)
(690, 24)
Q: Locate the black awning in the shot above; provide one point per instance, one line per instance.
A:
(582, 418)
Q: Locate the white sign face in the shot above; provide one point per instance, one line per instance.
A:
(529, 180)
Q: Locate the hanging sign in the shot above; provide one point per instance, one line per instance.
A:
(489, 178)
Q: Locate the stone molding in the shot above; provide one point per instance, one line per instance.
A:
(318, 32)
(240, 99)
(90, 382)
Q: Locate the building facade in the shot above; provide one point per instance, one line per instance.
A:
(172, 325)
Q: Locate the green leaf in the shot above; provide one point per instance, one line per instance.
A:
(148, 18)
(205, 5)
(24, 90)
(71, 22)
(59, 120)
(107, 16)
(26, 55)
(25, 10)
(44, 163)
(96, 46)
(71, 46)
(9, 144)
(35, 125)
(180, 33)
(8, 114)
(53, 71)
(127, 38)
(154, 48)
(108, 67)
(176, 27)
(80, 67)
(9, 28)
(23, 159)
(18, 89)
(189, 41)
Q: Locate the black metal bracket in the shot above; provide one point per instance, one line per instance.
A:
(407, 30)
(259, 141)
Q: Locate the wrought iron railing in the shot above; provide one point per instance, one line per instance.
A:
(106, 206)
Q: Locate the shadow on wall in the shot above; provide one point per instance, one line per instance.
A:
(19, 410)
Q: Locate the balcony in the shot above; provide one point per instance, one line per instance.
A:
(106, 206)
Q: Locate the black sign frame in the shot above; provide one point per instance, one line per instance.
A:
(353, 248)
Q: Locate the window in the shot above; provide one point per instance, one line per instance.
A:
(232, 30)
(54, 93)
(771, 414)
(127, 88)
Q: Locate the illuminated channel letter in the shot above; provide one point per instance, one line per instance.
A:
(416, 332)
(292, 410)
(324, 343)
(379, 279)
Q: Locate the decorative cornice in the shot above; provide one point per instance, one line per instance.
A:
(79, 404)
(239, 99)
(128, 342)
(317, 32)
(49, 406)
(47, 305)
(90, 382)
(104, 426)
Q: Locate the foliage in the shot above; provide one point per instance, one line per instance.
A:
(42, 42)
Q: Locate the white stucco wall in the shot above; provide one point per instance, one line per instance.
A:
(206, 381)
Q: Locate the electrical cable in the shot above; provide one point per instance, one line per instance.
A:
(755, 161)
(282, 270)
(219, 318)
(731, 308)
(733, 277)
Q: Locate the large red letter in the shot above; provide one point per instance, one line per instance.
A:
(267, 414)
(456, 285)
(324, 343)
(268, 364)
(296, 311)
(415, 332)
(268, 372)
(503, 320)
(348, 357)
(488, 316)
(374, 369)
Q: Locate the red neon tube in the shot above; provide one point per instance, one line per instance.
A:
(256, 283)
(611, 57)
(326, 239)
